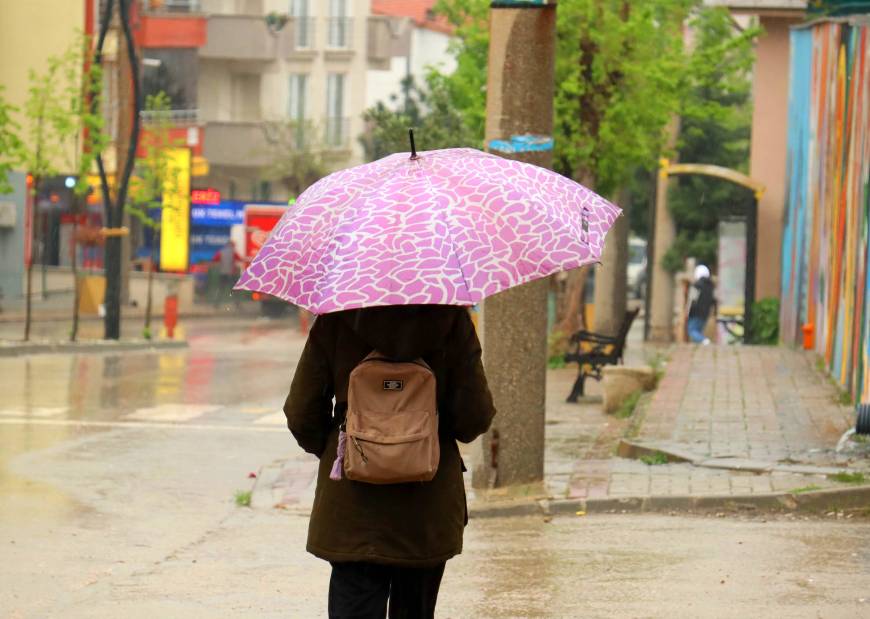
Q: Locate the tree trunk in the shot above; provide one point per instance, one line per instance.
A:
(75, 274)
(28, 311)
(155, 239)
(611, 295)
(572, 306)
(570, 300)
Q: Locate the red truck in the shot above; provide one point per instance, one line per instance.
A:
(260, 219)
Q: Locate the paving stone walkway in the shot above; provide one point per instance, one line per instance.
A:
(752, 420)
(746, 420)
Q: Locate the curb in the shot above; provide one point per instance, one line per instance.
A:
(808, 502)
(635, 450)
(107, 346)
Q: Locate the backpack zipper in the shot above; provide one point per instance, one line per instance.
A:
(359, 448)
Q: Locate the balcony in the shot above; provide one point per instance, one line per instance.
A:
(304, 30)
(171, 24)
(339, 33)
(337, 133)
(246, 38)
(236, 144)
(170, 6)
(177, 118)
(182, 128)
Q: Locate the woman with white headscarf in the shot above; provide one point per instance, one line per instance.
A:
(701, 302)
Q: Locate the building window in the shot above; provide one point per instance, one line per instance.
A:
(265, 191)
(336, 123)
(303, 24)
(297, 97)
(339, 25)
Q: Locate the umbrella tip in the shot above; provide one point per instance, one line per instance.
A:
(413, 147)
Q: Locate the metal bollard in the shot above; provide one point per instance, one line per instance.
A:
(170, 315)
(862, 424)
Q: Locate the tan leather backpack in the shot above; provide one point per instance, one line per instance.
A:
(391, 426)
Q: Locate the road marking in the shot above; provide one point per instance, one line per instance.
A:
(275, 419)
(39, 412)
(136, 424)
(172, 412)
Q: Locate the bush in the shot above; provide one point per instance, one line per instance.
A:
(765, 321)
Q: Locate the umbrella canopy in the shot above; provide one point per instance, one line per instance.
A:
(443, 227)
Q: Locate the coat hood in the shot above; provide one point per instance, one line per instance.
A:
(403, 332)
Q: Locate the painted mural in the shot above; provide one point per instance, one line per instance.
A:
(826, 280)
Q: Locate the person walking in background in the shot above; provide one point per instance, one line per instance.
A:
(388, 541)
(228, 262)
(701, 301)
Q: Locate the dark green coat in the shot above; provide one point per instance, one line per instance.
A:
(415, 524)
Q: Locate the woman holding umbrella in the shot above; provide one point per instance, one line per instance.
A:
(387, 254)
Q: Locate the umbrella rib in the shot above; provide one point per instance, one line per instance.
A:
(452, 243)
(342, 220)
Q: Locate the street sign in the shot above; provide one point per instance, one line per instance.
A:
(175, 216)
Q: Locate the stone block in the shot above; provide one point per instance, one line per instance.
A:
(619, 381)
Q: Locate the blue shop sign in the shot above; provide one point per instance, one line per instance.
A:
(227, 213)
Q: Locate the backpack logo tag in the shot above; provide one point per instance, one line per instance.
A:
(394, 385)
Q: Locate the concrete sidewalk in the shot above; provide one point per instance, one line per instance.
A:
(729, 423)
(744, 427)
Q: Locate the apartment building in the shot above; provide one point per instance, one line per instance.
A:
(420, 41)
(261, 68)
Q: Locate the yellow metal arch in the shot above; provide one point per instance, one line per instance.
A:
(666, 168)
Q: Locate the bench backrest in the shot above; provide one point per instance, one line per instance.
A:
(624, 328)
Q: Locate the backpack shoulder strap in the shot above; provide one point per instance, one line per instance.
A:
(375, 355)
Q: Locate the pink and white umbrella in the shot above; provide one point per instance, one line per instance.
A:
(443, 227)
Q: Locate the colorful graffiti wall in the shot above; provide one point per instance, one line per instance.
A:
(825, 275)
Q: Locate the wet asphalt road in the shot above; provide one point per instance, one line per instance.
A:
(117, 475)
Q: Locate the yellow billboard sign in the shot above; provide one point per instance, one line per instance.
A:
(175, 216)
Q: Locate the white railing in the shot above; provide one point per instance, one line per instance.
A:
(171, 6)
(170, 117)
(340, 32)
(337, 133)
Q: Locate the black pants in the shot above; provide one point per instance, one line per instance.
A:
(360, 591)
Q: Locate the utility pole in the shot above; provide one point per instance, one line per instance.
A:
(129, 106)
(519, 102)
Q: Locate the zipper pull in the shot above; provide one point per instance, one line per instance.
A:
(359, 448)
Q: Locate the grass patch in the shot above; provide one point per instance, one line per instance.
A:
(626, 409)
(861, 438)
(556, 362)
(802, 489)
(844, 398)
(657, 363)
(243, 498)
(849, 478)
(654, 459)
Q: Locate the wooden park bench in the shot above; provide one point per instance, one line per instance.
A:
(593, 351)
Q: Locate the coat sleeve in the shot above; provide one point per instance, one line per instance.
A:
(308, 407)
(470, 402)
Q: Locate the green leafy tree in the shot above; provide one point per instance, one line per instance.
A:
(619, 78)
(716, 117)
(84, 138)
(61, 131)
(428, 110)
(156, 175)
(297, 154)
(10, 143)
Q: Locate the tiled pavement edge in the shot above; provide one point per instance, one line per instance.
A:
(757, 426)
(752, 426)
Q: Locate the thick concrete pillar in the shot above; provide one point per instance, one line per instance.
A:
(514, 323)
(661, 286)
(768, 150)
